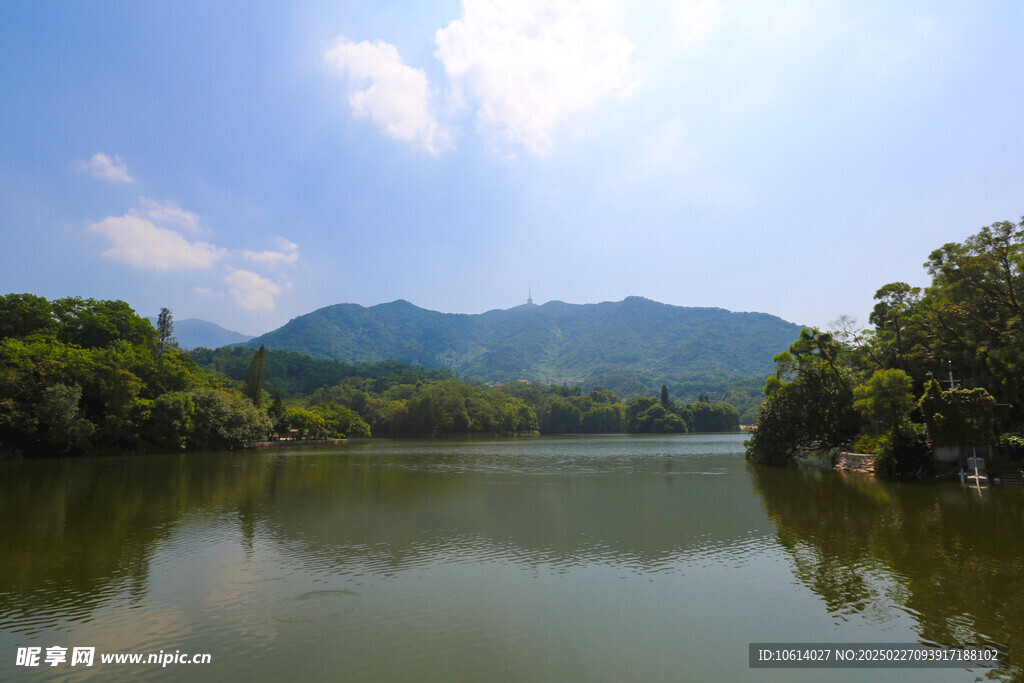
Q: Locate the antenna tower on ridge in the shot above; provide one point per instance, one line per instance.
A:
(529, 294)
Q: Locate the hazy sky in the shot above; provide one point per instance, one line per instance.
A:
(248, 162)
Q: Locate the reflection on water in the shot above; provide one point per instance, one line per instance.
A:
(952, 559)
(644, 558)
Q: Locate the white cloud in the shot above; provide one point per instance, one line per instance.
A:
(288, 254)
(143, 239)
(138, 242)
(167, 214)
(252, 292)
(101, 166)
(392, 94)
(529, 66)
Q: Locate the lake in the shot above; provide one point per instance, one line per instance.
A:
(557, 558)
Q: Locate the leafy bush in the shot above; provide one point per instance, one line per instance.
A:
(962, 416)
(906, 453)
(870, 444)
(1012, 444)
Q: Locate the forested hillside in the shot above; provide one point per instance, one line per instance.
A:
(631, 346)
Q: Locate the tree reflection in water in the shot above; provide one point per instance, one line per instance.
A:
(948, 557)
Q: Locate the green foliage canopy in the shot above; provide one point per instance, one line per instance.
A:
(885, 399)
(813, 409)
(83, 376)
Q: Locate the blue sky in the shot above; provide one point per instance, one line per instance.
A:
(246, 162)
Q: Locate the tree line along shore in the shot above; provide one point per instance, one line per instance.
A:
(83, 376)
(940, 368)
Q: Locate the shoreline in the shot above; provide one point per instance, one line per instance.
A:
(297, 442)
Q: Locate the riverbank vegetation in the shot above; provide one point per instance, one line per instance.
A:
(86, 376)
(393, 399)
(878, 390)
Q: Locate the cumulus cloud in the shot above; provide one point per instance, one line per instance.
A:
(167, 214)
(392, 94)
(288, 254)
(145, 238)
(104, 167)
(138, 242)
(528, 66)
(250, 291)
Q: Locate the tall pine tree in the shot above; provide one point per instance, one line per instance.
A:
(165, 330)
(276, 410)
(254, 382)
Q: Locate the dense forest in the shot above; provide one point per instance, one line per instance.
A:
(297, 375)
(86, 376)
(83, 376)
(397, 399)
(880, 390)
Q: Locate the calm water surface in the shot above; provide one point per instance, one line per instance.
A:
(598, 558)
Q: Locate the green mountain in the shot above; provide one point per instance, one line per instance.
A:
(616, 344)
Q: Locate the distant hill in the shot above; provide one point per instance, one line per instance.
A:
(194, 333)
(635, 341)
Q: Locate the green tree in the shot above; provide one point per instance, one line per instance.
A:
(885, 399)
(905, 452)
(559, 416)
(390, 418)
(706, 417)
(664, 397)
(89, 323)
(61, 420)
(976, 311)
(893, 318)
(340, 422)
(276, 411)
(164, 330)
(172, 420)
(602, 395)
(959, 416)
(254, 381)
(119, 390)
(310, 424)
(603, 418)
(971, 315)
(658, 420)
(813, 409)
(813, 349)
(634, 409)
(225, 421)
(22, 315)
(88, 377)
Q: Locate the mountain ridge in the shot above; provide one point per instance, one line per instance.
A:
(553, 341)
